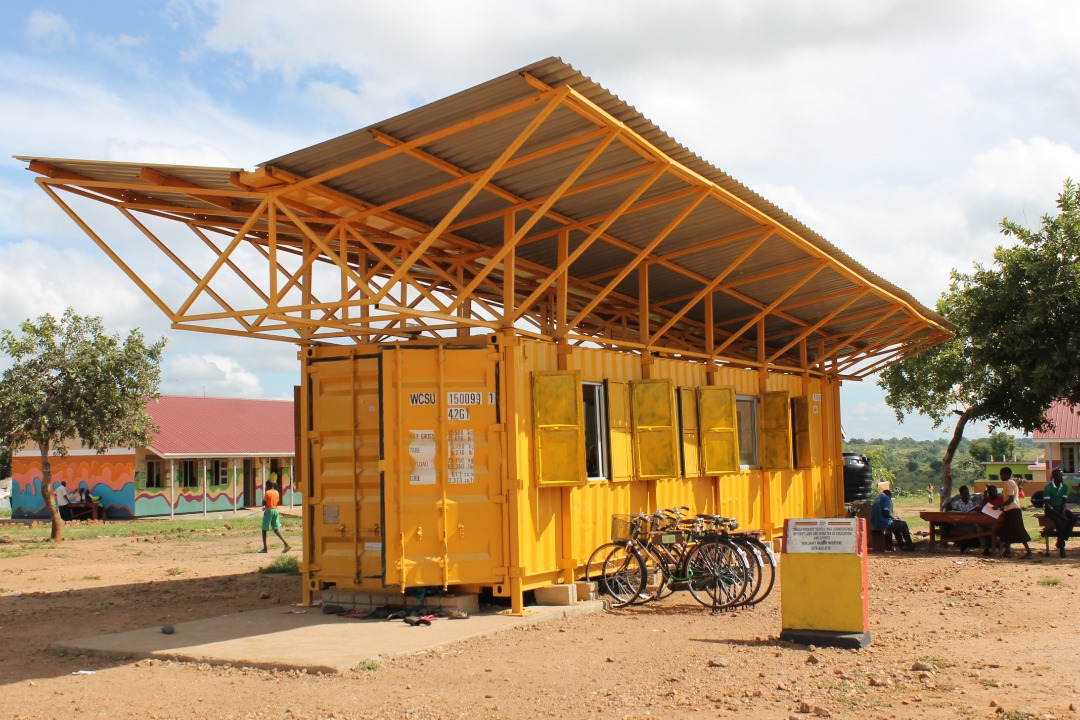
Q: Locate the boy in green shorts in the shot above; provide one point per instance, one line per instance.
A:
(271, 516)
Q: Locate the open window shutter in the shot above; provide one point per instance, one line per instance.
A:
(560, 436)
(621, 434)
(655, 437)
(688, 429)
(800, 419)
(719, 430)
(775, 431)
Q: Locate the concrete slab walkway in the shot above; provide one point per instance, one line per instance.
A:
(283, 638)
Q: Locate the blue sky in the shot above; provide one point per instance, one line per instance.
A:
(901, 131)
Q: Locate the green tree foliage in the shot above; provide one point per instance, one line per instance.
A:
(69, 382)
(5, 462)
(911, 464)
(1017, 346)
(1002, 445)
(980, 450)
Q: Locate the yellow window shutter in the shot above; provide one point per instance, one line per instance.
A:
(621, 430)
(719, 430)
(655, 437)
(560, 436)
(775, 431)
(688, 429)
(800, 418)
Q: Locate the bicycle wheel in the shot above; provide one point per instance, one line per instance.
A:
(767, 568)
(619, 571)
(659, 566)
(755, 574)
(718, 572)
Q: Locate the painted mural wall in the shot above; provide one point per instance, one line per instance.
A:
(124, 491)
(109, 477)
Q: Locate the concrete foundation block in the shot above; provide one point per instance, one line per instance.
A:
(556, 595)
(587, 590)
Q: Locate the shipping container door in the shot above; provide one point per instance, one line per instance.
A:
(343, 442)
(443, 502)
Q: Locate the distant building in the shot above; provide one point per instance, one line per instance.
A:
(210, 455)
(1032, 474)
(1063, 442)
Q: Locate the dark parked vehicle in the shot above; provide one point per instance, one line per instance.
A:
(858, 477)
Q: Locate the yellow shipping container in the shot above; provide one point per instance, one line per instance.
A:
(486, 464)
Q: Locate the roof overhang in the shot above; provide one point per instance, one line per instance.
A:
(537, 203)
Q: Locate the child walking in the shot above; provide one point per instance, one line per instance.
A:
(271, 516)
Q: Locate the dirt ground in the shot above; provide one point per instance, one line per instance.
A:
(954, 636)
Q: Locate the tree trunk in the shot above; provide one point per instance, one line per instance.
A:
(946, 462)
(47, 492)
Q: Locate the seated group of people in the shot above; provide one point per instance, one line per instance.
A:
(1007, 501)
(1011, 530)
(64, 498)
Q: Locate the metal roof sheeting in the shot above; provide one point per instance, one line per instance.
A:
(415, 169)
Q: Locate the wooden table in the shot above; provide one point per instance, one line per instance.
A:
(985, 527)
(86, 511)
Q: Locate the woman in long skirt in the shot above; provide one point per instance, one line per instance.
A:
(1012, 519)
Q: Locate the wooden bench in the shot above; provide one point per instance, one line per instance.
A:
(880, 540)
(1049, 529)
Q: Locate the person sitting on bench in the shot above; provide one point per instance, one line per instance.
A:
(882, 517)
(1055, 495)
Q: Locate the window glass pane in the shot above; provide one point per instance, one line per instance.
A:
(592, 399)
(746, 408)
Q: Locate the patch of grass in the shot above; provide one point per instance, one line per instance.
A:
(91, 577)
(175, 571)
(1049, 581)
(286, 564)
(1015, 715)
(366, 665)
(939, 663)
(198, 529)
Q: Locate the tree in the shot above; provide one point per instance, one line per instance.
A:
(1002, 445)
(69, 382)
(980, 450)
(1016, 348)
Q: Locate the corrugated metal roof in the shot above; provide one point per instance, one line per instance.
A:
(416, 186)
(1066, 420)
(206, 426)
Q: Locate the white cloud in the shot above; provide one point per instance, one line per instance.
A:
(208, 375)
(902, 132)
(49, 27)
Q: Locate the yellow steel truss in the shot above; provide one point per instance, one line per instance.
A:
(293, 258)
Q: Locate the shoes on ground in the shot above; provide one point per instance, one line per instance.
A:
(286, 549)
(262, 551)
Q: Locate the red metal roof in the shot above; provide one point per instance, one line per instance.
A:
(222, 426)
(1066, 419)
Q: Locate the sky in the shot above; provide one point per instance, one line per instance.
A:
(902, 131)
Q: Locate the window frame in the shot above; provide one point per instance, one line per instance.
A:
(152, 478)
(747, 431)
(595, 429)
(1068, 458)
(188, 470)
